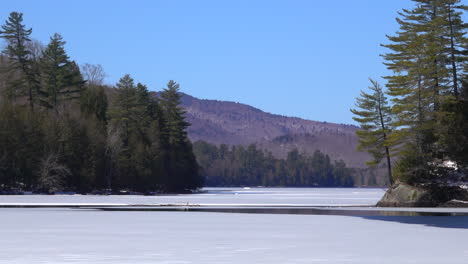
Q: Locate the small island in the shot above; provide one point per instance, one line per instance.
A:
(418, 124)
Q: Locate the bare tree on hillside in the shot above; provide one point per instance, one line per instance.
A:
(94, 74)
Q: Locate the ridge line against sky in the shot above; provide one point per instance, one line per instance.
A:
(306, 59)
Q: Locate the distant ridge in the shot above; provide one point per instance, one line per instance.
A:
(223, 122)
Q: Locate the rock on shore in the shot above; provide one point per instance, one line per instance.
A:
(405, 195)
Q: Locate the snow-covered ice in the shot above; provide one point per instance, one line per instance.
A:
(272, 196)
(90, 236)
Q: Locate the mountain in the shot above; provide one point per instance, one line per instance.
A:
(231, 123)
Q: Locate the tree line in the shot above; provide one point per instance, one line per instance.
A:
(250, 166)
(419, 120)
(62, 129)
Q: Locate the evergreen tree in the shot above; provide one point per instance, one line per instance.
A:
(62, 80)
(452, 129)
(182, 167)
(17, 37)
(22, 147)
(410, 87)
(94, 102)
(156, 151)
(456, 41)
(124, 113)
(426, 59)
(174, 114)
(374, 116)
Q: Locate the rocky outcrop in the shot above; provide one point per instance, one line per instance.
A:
(405, 195)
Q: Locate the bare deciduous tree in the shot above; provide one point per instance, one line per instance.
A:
(36, 49)
(94, 74)
(113, 149)
(52, 174)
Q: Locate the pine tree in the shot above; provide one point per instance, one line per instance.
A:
(455, 30)
(411, 87)
(182, 167)
(123, 103)
(62, 80)
(123, 115)
(374, 116)
(93, 109)
(17, 37)
(174, 114)
(156, 152)
(94, 102)
(452, 128)
(426, 59)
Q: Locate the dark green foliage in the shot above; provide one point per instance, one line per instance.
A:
(453, 130)
(23, 79)
(182, 168)
(249, 166)
(374, 115)
(61, 78)
(152, 150)
(94, 102)
(428, 61)
(22, 146)
(79, 136)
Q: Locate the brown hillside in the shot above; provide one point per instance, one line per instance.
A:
(222, 122)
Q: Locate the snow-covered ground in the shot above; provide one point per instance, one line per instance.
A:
(91, 236)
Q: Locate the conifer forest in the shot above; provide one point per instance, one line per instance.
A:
(62, 129)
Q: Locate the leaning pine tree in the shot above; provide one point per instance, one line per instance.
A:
(374, 115)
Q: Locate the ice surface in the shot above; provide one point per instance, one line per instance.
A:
(89, 236)
(74, 236)
(289, 196)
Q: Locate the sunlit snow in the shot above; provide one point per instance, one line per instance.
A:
(65, 235)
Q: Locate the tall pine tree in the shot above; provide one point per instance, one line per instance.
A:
(182, 167)
(17, 37)
(426, 58)
(62, 80)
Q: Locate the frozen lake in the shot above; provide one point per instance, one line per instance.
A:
(224, 196)
(65, 235)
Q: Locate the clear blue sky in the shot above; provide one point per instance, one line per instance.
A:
(302, 58)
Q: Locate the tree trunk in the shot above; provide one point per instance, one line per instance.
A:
(452, 54)
(387, 151)
(389, 165)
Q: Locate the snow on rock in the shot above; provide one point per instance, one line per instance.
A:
(450, 164)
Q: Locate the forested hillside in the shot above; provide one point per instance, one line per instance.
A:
(61, 129)
(250, 166)
(221, 122)
(240, 125)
